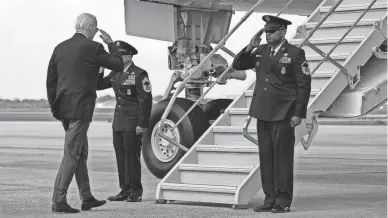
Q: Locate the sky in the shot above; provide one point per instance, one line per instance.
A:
(30, 30)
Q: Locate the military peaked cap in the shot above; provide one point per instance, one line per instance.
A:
(125, 48)
(275, 23)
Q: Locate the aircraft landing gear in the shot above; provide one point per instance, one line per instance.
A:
(159, 155)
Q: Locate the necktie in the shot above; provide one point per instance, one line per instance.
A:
(271, 55)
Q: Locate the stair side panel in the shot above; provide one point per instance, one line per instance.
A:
(249, 187)
(174, 176)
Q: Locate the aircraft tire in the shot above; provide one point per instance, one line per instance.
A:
(158, 155)
(214, 108)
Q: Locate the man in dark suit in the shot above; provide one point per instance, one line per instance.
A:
(72, 77)
(280, 98)
(132, 88)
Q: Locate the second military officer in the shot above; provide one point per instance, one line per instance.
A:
(132, 88)
(280, 98)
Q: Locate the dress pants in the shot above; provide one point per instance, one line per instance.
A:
(127, 147)
(73, 161)
(276, 151)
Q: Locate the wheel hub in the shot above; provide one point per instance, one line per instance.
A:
(165, 151)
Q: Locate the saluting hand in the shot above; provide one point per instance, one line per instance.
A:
(295, 121)
(255, 41)
(105, 37)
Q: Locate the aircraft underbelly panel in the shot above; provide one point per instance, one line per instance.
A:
(300, 7)
(148, 20)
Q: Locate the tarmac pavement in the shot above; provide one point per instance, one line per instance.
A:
(343, 174)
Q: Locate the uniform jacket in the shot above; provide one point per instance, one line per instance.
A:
(72, 76)
(133, 97)
(283, 83)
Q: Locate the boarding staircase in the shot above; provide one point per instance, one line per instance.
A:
(223, 165)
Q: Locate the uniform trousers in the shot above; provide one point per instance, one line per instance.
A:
(276, 151)
(73, 161)
(127, 147)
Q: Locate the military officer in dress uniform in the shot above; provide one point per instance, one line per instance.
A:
(280, 98)
(132, 88)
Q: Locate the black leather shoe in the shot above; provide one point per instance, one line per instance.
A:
(278, 209)
(122, 196)
(263, 208)
(89, 204)
(134, 198)
(63, 208)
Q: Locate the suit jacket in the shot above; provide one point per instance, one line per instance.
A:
(283, 83)
(133, 97)
(72, 76)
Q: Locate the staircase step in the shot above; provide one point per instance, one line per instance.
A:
(342, 48)
(238, 117)
(339, 28)
(213, 174)
(347, 46)
(248, 97)
(232, 135)
(199, 188)
(227, 148)
(341, 24)
(232, 130)
(335, 56)
(326, 66)
(323, 74)
(355, 7)
(329, 40)
(360, 2)
(352, 12)
(249, 93)
(228, 154)
(318, 82)
(199, 193)
(215, 168)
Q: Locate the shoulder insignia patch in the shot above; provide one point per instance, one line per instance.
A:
(305, 68)
(146, 85)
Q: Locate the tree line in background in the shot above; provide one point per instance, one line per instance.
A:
(43, 103)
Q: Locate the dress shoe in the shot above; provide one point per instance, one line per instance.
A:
(63, 208)
(89, 204)
(134, 198)
(122, 196)
(263, 208)
(278, 209)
